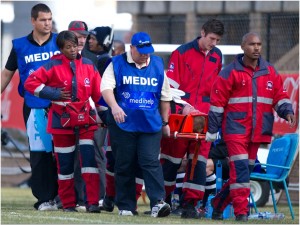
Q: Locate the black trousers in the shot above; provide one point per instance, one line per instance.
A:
(43, 169)
(78, 181)
(44, 177)
(99, 137)
(133, 151)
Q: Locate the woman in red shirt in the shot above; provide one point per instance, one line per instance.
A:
(69, 80)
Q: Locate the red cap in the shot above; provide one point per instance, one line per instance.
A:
(79, 26)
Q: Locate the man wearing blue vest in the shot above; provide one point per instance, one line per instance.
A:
(27, 55)
(137, 92)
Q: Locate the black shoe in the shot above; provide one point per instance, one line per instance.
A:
(58, 202)
(71, 209)
(216, 214)
(147, 212)
(202, 211)
(93, 209)
(177, 211)
(108, 204)
(189, 211)
(242, 218)
(168, 200)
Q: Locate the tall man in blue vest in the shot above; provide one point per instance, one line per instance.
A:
(137, 91)
(28, 54)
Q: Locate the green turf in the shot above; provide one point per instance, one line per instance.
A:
(17, 208)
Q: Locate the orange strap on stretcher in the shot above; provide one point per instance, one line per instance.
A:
(195, 159)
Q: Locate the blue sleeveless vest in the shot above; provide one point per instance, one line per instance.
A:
(138, 93)
(30, 58)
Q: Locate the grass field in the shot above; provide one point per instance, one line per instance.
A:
(17, 208)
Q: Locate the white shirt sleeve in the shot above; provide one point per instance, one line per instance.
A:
(166, 91)
(108, 80)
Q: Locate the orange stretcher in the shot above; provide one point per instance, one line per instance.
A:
(193, 127)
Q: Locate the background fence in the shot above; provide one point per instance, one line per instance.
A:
(279, 31)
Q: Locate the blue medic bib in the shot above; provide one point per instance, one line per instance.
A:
(30, 58)
(138, 92)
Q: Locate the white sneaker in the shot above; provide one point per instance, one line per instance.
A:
(125, 213)
(101, 202)
(161, 209)
(80, 208)
(48, 206)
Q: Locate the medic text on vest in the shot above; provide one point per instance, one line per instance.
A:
(40, 56)
(140, 80)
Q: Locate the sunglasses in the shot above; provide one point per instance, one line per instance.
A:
(144, 45)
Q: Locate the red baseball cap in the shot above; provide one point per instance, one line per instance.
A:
(79, 26)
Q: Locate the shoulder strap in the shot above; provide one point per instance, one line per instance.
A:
(74, 82)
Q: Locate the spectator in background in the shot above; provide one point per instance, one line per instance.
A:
(99, 42)
(248, 88)
(41, 41)
(69, 80)
(118, 47)
(193, 68)
(54, 29)
(135, 126)
(80, 29)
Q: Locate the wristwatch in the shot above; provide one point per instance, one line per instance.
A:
(164, 123)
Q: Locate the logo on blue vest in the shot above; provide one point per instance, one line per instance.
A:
(138, 100)
(126, 95)
(30, 71)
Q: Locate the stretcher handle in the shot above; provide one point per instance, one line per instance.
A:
(194, 136)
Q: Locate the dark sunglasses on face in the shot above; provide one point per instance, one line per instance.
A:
(144, 45)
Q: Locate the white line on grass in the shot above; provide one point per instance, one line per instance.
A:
(57, 217)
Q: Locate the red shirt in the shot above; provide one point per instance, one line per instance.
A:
(58, 73)
(194, 72)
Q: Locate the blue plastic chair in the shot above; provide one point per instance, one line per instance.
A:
(280, 160)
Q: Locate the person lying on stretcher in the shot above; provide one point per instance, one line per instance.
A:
(188, 119)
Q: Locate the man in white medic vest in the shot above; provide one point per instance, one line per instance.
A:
(27, 55)
(137, 92)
